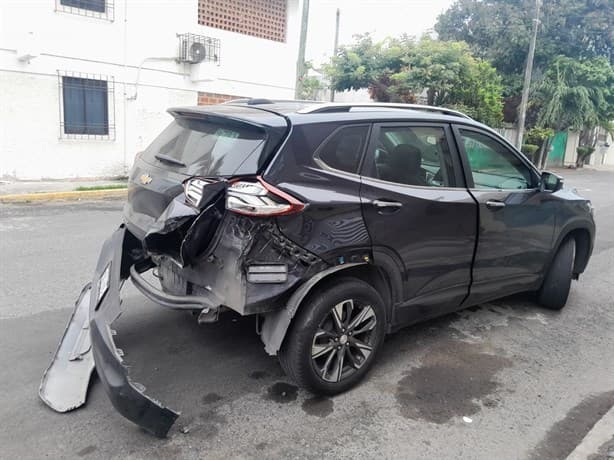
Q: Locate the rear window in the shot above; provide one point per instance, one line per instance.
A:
(208, 147)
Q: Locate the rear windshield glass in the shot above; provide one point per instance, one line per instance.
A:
(208, 148)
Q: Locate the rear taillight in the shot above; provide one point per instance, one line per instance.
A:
(257, 198)
(194, 190)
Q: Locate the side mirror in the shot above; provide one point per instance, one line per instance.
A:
(551, 182)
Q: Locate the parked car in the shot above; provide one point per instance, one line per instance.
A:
(333, 225)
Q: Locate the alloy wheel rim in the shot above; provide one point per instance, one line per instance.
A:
(344, 340)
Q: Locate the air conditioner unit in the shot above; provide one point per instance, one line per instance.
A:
(194, 49)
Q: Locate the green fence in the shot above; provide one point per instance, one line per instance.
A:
(556, 155)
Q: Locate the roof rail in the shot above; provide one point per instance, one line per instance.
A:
(263, 101)
(347, 106)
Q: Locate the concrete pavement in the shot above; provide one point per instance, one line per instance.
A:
(505, 380)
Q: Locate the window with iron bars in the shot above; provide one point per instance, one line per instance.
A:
(87, 106)
(101, 9)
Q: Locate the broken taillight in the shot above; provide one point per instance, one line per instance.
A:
(194, 189)
(257, 198)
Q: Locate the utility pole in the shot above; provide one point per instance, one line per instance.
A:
(300, 63)
(527, 77)
(335, 49)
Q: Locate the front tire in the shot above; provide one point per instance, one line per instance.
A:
(554, 291)
(334, 339)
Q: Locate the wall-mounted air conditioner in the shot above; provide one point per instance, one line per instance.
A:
(194, 49)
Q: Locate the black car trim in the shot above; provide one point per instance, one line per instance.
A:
(575, 225)
(198, 115)
(127, 397)
(411, 186)
(184, 302)
(277, 323)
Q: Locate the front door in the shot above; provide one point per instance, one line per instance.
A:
(419, 214)
(516, 219)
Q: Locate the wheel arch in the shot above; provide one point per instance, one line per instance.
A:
(584, 249)
(583, 236)
(276, 324)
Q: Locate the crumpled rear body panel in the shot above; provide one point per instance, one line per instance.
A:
(241, 242)
(210, 249)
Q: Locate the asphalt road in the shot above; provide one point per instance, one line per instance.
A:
(530, 382)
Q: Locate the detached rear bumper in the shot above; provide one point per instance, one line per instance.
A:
(126, 396)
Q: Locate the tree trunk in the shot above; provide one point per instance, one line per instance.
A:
(430, 96)
(579, 160)
(588, 138)
(540, 155)
(379, 92)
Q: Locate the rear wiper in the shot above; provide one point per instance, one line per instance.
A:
(166, 159)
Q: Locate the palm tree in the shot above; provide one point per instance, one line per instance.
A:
(580, 96)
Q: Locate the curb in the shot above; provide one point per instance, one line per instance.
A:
(61, 196)
(601, 433)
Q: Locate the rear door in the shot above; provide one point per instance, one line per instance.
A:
(420, 215)
(516, 218)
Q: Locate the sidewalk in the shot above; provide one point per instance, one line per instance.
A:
(598, 444)
(47, 190)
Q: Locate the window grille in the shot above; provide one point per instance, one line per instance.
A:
(100, 9)
(87, 106)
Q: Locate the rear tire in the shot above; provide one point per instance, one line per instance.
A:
(334, 339)
(554, 291)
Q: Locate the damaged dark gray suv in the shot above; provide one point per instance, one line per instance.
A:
(331, 224)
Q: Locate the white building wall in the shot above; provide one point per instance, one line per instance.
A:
(604, 152)
(571, 154)
(360, 95)
(143, 33)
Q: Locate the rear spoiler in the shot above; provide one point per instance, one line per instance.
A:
(215, 117)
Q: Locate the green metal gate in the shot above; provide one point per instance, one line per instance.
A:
(556, 155)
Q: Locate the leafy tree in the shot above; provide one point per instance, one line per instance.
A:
(311, 84)
(583, 154)
(577, 95)
(370, 65)
(541, 138)
(401, 70)
(500, 30)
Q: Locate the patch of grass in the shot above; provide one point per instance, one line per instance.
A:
(102, 187)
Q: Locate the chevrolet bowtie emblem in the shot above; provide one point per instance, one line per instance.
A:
(145, 179)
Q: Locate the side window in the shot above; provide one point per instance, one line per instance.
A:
(494, 166)
(344, 149)
(412, 155)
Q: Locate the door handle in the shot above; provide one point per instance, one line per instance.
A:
(386, 204)
(494, 204)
